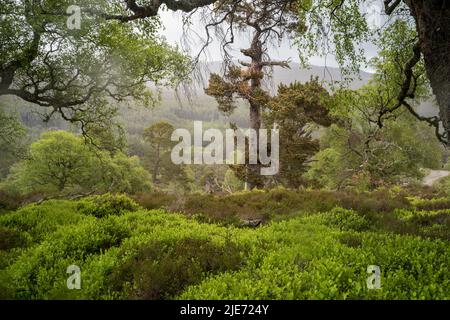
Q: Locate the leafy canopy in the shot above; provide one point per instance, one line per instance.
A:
(61, 162)
(77, 73)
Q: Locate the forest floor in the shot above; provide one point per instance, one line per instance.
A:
(312, 245)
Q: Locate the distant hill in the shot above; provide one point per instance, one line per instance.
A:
(202, 107)
(282, 75)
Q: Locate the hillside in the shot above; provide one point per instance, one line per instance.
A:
(180, 111)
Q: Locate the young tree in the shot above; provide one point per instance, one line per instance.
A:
(12, 133)
(158, 136)
(294, 110)
(56, 161)
(121, 173)
(163, 170)
(62, 162)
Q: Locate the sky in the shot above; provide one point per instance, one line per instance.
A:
(173, 32)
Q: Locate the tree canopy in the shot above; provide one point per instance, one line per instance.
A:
(60, 162)
(77, 73)
(74, 72)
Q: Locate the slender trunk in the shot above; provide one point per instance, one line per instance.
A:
(255, 123)
(156, 167)
(255, 53)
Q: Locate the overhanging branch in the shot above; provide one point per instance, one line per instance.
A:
(390, 6)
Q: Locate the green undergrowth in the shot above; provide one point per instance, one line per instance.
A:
(127, 252)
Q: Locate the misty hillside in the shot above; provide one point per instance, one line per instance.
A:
(282, 75)
(181, 111)
(195, 108)
(203, 107)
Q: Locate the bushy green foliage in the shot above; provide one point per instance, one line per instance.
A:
(346, 220)
(129, 254)
(61, 162)
(162, 269)
(107, 204)
(35, 273)
(36, 221)
(443, 185)
(310, 261)
(430, 204)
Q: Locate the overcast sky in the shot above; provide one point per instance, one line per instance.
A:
(173, 32)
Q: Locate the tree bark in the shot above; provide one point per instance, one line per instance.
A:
(156, 166)
(255, 53)
(432, 19)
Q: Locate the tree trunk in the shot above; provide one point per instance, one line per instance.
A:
(432, 21)
(255, 53)
(255, 123)
(156, 166)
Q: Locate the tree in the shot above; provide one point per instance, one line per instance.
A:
(121, 173)
(107, 136)
(340, 27)
(58, 160)
(337, 27)
(268, 20)
(376, 142)
(356, 152)
(62, 162)
(131, 10)
(158, 136)
(433, 30)
(12, 133)
(76, 73)
(294, 110)
(395, 155)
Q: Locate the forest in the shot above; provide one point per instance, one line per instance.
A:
(341, 190)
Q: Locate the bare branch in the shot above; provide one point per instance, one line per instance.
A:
(389, 8)
(283, 64)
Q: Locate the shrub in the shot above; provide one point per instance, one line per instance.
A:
(159, 255)
(10, 238)
(154, 200)
(35, 222)
(107, 204)
(41, 270)
(162, 269)
(83, 169)
(275, 203)
(430, 204)
(345, 220)
(9, 202)
(307, 261)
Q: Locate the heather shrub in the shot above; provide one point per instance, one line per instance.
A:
(345, 220)
(162, 269)
(107, 204)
